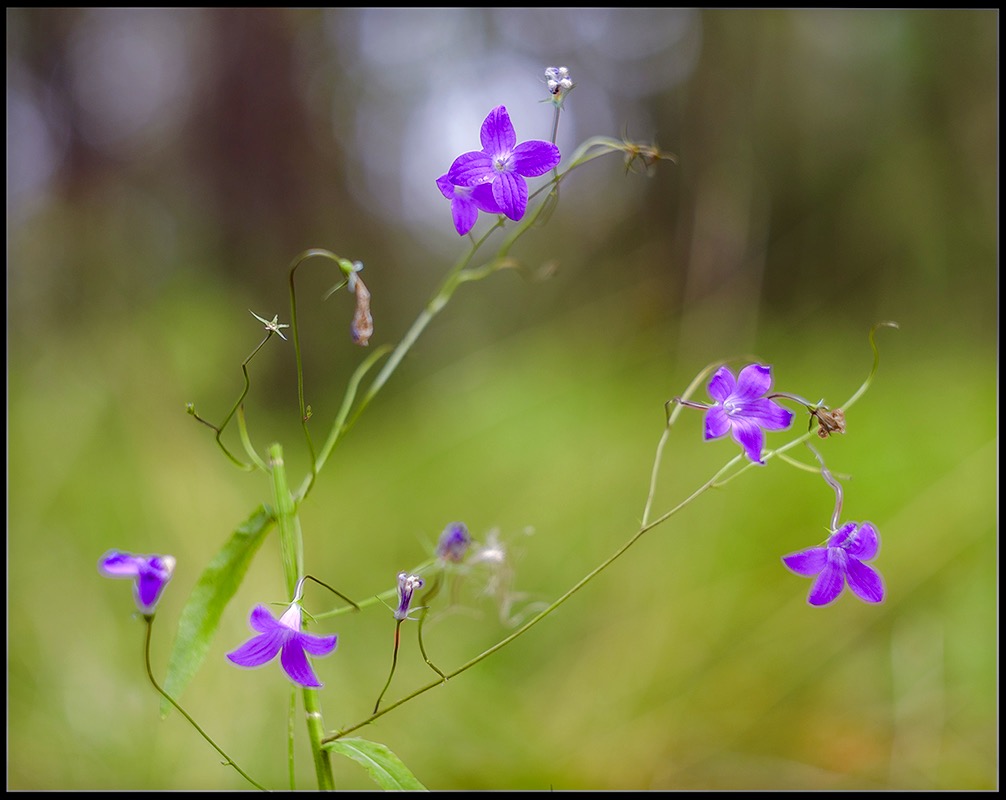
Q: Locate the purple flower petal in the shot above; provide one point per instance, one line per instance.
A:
(258, 650)
(482, 197)
(807, 562)
(317, 645)
(717, 423)
(297, 667)
(150, 583)
(116, 564)
(828, 585)
(865, 543)
(445, 186)
(150, 575)
(864, 581)
(749, 436)
(840, 562)
(510, 192)
(502, 163)
(284, 637)
(753, 381)
(263, 621)
(740, 406)
(722, 384)
(534, 158)
(464, 214)
(768, 414)
(843, 535)
(471, 169)
(498, 135)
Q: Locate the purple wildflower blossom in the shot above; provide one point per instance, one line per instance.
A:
(150, 575)
(742, 409)
(407, 585)
(467, 202)
(840, 561)
(285, 637)
(503, 163)
(454, 543)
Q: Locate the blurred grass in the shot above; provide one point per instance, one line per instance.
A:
(692, 663)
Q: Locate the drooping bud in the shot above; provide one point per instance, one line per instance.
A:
(362, 327)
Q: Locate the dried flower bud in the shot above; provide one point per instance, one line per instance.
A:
(363, 323)
(829, 422)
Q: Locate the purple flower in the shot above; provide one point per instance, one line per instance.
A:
(283, 636)
(742, 409)
(454, 543)
(149, 573)
(840, 561)
(467, 202)
(503, 164)
(407, 585)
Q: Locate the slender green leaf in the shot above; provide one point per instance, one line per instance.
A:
(386, 769)
(215, 588)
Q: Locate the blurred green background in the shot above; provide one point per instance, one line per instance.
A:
(835, 168)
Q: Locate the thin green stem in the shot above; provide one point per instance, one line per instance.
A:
(219, 429)
(715, 481)
(246, 441)
(339, 425)
(394, 663)
(228, 761)
(425, 600)
(292, 549)
(290, 730)
(534, 620)
(672, 408)
(848, 404)
(295, 329)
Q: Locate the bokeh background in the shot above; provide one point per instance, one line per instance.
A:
(834, 168)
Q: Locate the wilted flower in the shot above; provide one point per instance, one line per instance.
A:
(284, 637)
(271, 325)
(362, 327)
(503, 163)
(742, 408)
(454, 543)
(150, 575)
(467, 202)
(840, 561)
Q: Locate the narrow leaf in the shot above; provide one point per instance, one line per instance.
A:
(385, 768)
(215, 588)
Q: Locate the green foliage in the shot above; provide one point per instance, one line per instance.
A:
(384, 767)
(214, 590)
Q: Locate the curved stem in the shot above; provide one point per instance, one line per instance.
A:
(244, 392)
(537, 618)
(394, 663)
(228, 761)
(425, 600)
(295, 330)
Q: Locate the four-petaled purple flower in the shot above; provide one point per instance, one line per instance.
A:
(742, 409)
(283, 636)
(407, 585)
(150, 575)
(454, 543)
(467, 202)
(840, 561)
(503, 164)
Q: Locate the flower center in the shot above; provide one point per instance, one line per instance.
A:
(503, 163)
